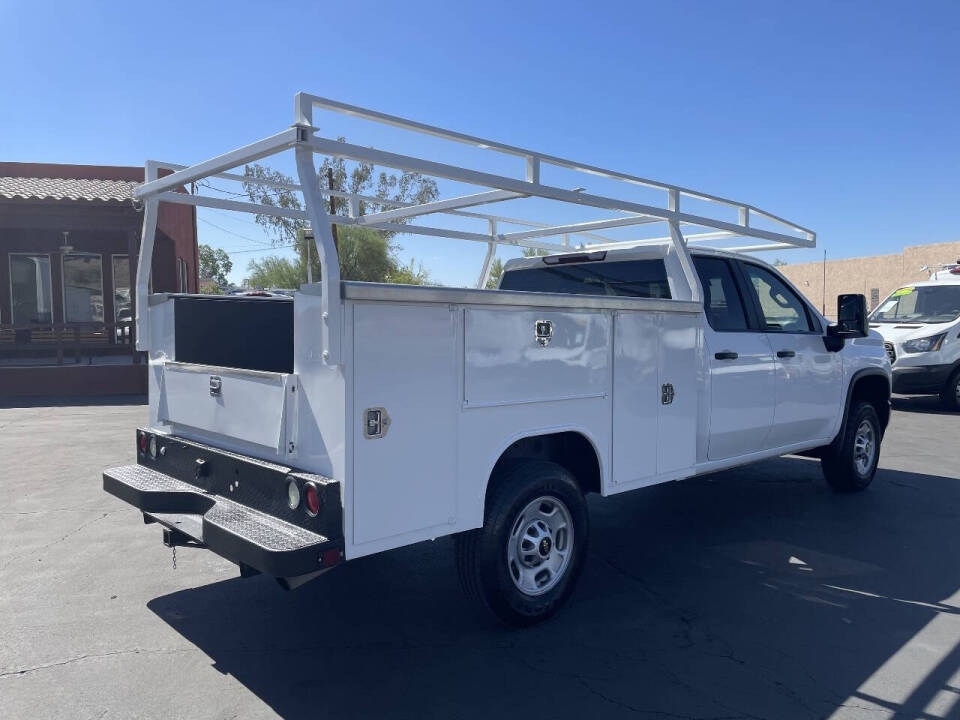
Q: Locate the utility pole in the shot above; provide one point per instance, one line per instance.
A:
(823, 300)
(333, 209)
(307, 239)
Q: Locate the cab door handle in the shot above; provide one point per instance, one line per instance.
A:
(786, 353)
(726, 355)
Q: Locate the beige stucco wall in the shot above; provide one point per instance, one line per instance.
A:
(885, 273)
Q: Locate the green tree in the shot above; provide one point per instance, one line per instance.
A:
(779, 263)
(496, 270)
(214, 263)
(360, 179)
(365, 254)
(275, 272)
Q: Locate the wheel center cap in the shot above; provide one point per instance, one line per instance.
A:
(545, 546)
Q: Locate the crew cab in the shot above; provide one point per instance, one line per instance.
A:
(920, 325)
(292, 434)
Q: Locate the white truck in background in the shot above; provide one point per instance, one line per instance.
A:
(291, 434)
(920, 325)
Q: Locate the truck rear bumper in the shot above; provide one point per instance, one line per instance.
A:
(194, 509)
(237, 533)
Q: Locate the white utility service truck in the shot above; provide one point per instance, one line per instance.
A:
(290, 435)
(920, 325)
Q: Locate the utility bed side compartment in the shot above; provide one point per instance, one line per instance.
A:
(405, 368)
(506, 363)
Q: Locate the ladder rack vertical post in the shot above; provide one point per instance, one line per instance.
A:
(330, 305)
(680, 245)
(533, 169)
(151, 210)
(488, 258)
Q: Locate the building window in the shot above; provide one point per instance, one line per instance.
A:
(31, 294)
(874, 297)
(121, 288)
(82, 288)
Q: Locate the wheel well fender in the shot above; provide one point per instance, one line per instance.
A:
(572, 449)
(872, 386)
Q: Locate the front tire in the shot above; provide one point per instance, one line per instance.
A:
(950, 395)
(850, 464)
(523, 563)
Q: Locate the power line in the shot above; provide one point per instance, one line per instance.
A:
(265, 249)
(231, 232)
(232, 214)
(206, 184)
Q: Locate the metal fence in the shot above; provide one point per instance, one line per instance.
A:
(61, 343)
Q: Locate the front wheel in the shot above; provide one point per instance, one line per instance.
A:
(850, 464)
(523, 563)
(950, 395)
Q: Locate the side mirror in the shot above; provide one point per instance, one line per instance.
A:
(851, 317)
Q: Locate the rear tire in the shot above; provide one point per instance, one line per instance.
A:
(950, 395)
(523, 563)
(850, 464)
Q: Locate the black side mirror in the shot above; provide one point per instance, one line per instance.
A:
(851, 317)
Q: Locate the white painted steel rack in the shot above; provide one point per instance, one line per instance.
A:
(305, 142)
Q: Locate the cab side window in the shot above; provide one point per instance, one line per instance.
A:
(780, 309)
(722, 301)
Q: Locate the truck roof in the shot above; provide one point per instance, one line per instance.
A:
(955, 280)
(618, 254)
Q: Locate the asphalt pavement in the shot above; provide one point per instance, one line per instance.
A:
(753, 593)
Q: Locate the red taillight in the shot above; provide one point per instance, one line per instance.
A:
(143, 441)
(311, 499)
(955, 271)
(330, 557)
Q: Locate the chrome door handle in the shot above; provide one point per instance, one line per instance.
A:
(786, 353)
(726, 355)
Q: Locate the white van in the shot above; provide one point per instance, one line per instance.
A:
(920, 325)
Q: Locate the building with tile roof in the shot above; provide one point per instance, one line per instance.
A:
(69, 239)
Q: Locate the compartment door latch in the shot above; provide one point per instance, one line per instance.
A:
(543, 332)
(376, 422)
(666, 394)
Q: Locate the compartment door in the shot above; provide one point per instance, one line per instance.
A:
(679, 353)
(246, 405)
(636, 348)
(405, 362)
(654, 397)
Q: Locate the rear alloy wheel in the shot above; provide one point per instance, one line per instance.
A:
(950, 395)
(540, 545)
(851, 462)
(523, 563)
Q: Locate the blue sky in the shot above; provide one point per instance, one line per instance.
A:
(842, 116)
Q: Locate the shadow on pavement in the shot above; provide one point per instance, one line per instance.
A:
(71, 401)
(749, 593)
